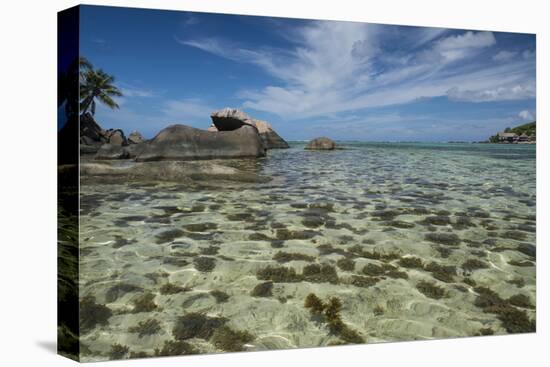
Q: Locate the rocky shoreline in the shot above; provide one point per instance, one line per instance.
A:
(178, 152)
(233, 134)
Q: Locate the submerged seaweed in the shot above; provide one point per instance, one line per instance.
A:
(346, 264)
(320, 273)
(474, 264)
(175, 348)
(196, 325)
(145, 303)
(330, 313)
(431, 290)
(119, 290)
(219, 296)
(513, 319)
(278, 274)
(262, 290)
(447, 239)
(92, 314)
(118, 351)
(411, 262)
(444, 273)
(169, 288)
(145, 328)
(204, 264)
(383, 269)
(284, 257)
(230, 340)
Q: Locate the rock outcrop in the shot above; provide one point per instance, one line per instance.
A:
(113, 151)
(135, 138)
(93, 137)
(321, 143)
(116, 137)
(90, 131)
(230, 119)
(271, 139)
(204, 171)
(180, 142)
(234, 134)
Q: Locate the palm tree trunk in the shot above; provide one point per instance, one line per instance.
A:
(87, 104)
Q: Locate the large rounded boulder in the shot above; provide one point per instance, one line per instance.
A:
(181, 142)
(321, 143)
(229, 119)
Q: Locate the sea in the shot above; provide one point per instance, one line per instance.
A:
(401, 241)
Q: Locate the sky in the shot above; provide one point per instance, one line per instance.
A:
(309, 78)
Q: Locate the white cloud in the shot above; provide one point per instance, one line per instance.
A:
(506, 93)
(467, 40)
(131, 91)
(190, 20)
(504, 55)
(334, 67)
(526, 115)
(460, 46)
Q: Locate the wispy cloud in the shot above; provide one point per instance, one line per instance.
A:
(504, 55)
(336, 67)
(129, 90)
(99, 41)
(190, 20)
(505, 93)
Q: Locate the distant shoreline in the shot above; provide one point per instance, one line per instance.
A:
(418, 142)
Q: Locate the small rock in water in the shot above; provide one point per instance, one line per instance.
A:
(321, 143)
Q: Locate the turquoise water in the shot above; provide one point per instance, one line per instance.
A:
(417, 241)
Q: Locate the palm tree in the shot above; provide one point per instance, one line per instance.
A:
(96, 84)
(83, 66)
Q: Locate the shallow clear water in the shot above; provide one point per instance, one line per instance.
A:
(467, 206)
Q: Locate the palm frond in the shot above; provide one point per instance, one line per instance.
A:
(108, 101)
(96, 84)
(112, 91)
(85, 64)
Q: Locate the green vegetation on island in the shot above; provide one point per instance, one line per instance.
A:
(526, 133)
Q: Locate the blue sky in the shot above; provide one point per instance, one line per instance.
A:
(345, 80)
